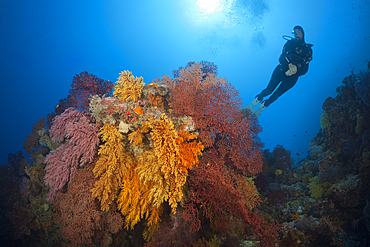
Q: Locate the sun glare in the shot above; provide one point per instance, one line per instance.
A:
(209, 6)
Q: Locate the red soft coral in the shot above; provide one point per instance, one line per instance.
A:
(228, 198)
(214, 105)
(207, 68)
(86, 85)
(78, 214)
(232, 153)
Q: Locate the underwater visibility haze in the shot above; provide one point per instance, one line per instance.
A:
(143, 127)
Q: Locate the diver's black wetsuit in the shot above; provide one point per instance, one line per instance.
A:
(297, 52)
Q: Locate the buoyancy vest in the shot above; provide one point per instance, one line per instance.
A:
(297, 52)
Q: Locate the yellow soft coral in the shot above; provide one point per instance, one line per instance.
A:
(149, 171)
(164, 140)
(142, 192)
(128, 87)
(317, 189)
(134, 202)
(325, 120)
(111, 166)
(175, 156)
(157, 174)
(247, 188)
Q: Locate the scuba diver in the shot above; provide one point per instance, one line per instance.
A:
(293, 63)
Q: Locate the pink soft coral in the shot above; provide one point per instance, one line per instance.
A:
(80, 136)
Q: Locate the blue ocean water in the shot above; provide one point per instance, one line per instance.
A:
(45, 44)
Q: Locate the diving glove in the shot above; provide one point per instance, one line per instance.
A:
(292, 70)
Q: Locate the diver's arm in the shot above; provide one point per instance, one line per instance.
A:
(285, 56)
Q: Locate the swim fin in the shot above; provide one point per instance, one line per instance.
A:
(249, 107)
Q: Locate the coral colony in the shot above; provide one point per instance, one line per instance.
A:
(175, 163)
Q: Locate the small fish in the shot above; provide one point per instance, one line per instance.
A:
(56, 106)
(297, 154)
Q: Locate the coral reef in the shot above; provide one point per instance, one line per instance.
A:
(175, 163)
(327, 193)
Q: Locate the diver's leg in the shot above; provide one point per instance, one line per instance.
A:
(276, 78)
(287, 83)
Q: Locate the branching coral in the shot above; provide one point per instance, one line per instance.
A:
(214, 106)
(150, 149)
(317, 189)
(78, 214)
(134, 201)
(158, 175)
(79, 134)
(190, 92)
(153, 168)
(207, 68)
(326, 120)
(232, 147)
(86, 85)
(149, 172)
(175, 155)
(128, 87)
(63, 105)
(249, 192)
(212, 187)
(111, 166)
